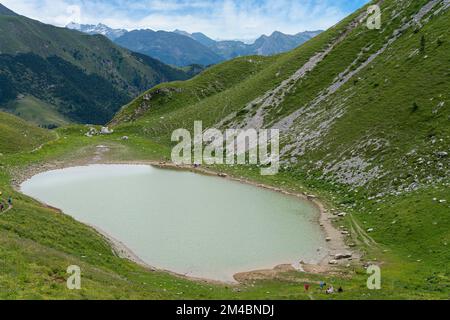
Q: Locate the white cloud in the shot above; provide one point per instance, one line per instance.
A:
(225, 19)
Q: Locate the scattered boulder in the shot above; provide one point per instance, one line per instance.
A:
(125, 138)
(341, 256)
(328, 239)
(106, 130)
(333, 262)
(92, 132)
(370, 230)
(222, 175)
(442, 154)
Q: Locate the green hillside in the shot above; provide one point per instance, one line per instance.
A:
(17, 135)
(36, 111)
(87, 78)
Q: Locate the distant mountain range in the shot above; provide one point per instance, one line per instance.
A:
(276, 43)
(181, 48)
(69, 75)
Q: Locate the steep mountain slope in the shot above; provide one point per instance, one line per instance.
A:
(86, 78)
(6, 12)
(169, 47)
(364, 122)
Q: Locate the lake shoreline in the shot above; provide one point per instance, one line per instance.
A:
(335, 246)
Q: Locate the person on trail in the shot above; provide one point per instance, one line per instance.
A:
(330, 290)
(322, 285)
(2, 206)
(306, 287)
(10, 201)
(340, 290)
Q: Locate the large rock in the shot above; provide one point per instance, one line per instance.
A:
(106, 130)
(341, 256)
(92, 132)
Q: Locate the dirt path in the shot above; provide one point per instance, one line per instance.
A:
(5, 211)
(361, 234)
(57, 137)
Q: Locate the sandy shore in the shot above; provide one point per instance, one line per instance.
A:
(335, 240)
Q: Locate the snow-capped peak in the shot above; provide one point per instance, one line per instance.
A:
(97, 29)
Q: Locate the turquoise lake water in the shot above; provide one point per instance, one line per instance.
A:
(191, 224)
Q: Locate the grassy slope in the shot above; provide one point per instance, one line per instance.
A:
(18, 135)
(36, 111)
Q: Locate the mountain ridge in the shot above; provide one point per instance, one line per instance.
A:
(7, 12)
(275, 43)
(177, 50)
(169, 47)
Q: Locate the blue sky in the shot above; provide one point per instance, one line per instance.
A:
(219, 19)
